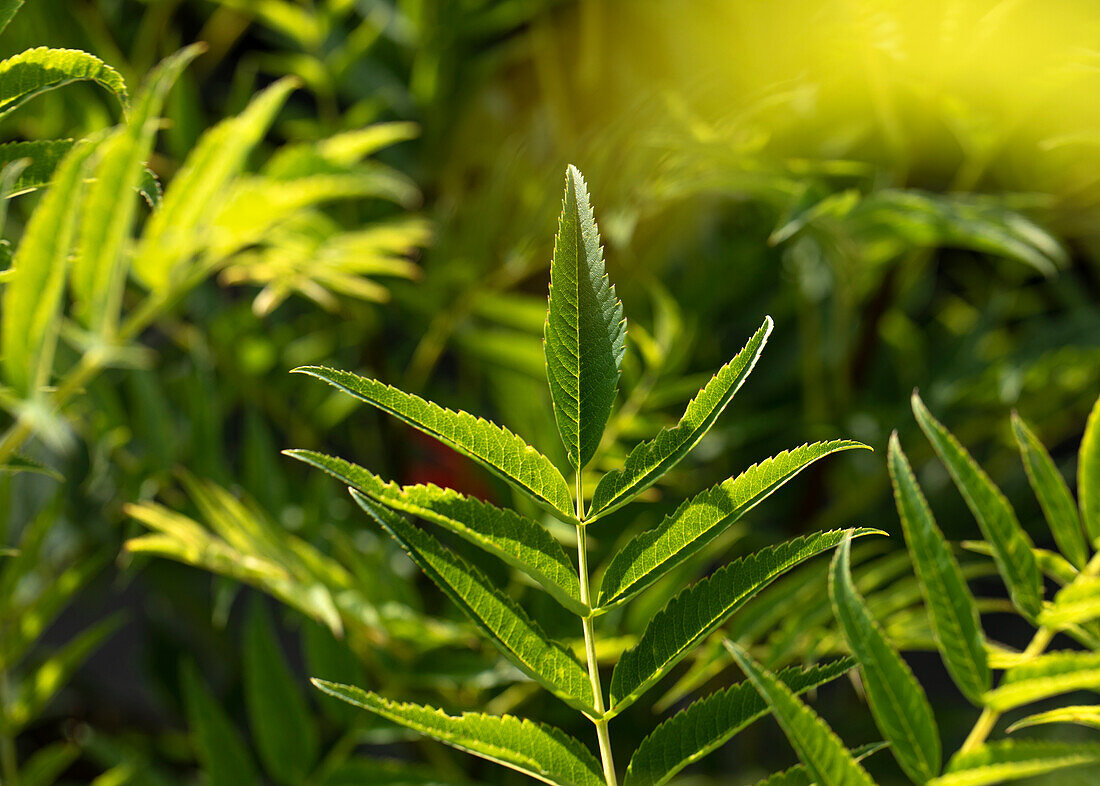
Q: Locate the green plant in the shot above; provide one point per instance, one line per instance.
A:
(897, 700)
(584, 344)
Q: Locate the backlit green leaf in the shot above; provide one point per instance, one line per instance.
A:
(817, 746)
(497, 449)
(518, 637)
(585, 331)
(35, 71)
(1011, 544)
(517, 540)
(535, 749)
(1010, 760)
(897, 700)
(697, 611)
(1047, 675)
(710, 722)
(1086, 715)
(1053, 494)
(1075, 603)
(1088, 474)
(648, 461)
(948, 599)
(698, 521)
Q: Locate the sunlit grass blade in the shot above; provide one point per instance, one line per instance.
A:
(817, 746)
(1053, 494)
(697, 611)
(949, 600)
(495, 448)
(698, 521)
(1083, 715)
(500, 618)
(173, 232)
(648, 461)
(35, 71)
(712, 721)
(221, 750)
(1088, 474)
(1047, 675)
(585, 332)
(1009, 760)
(540, 751)
(519, 541)
(897, 700)
(99, 269)
(1011, 544)
(33, 293)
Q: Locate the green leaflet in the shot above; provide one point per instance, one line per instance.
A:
(518, 637)
(519, 541)
(1011, 544)
(697, 611)
(282, 726)
(33, 293)
(1010, 760)
(219, 747)
(649, 460)
(949, 601)
(798, 775)
(41, 157)
(35, 71)
(1047, 675)
(584, 331)
(1086, 715)
(710, 722)
(174, 231)
(897, 700)
(816, 744)
(8, 9)
(1088, 474)
(1075, 603)
(543, 752)
(99, 265)
(497, 449)
(698, 521)
(1053, 494)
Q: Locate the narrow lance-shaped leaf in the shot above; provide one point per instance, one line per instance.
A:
(700, 520)
(495, 448)
(585, 331)
(816, 744)
(897, 700)
(1045, 676)
(950, 603)
(1088, 474)
(1012, 548)
(33, 293)
(1053, 494)
(8, 9)
(1084, 715)
(648, 461)
(507, 625)
(1076, 603)
(540, 751)
(221, 751)
(99, 272)
(523, 543)
(697, 611)
(172, 233)
(798, 775)
(711, 722)
(35, 71)
(1011, 760)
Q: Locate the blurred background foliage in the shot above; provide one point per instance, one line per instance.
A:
(911, 191)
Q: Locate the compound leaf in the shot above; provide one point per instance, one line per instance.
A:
(897, 700)
(1012, 548)
(648, 461)
(519, 541)
(515, 634)
(497, 449)
(710, 722)
(950, 603)
(817, 746)
(698, 521)
(585, 331)
(535, 749)
(697, 611)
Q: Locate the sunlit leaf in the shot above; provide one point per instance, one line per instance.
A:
(1010, 760)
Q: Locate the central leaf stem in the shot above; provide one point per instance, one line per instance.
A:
(590, 644)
